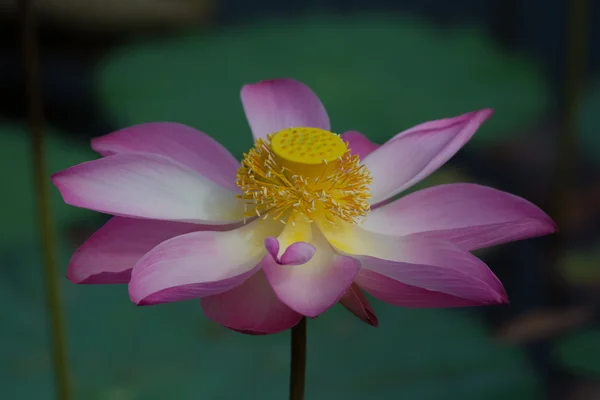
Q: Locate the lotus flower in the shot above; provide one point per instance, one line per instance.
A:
(304, 222)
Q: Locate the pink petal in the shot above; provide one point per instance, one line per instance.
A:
(198, 264)
(188, 146)
(400, 294)
(298, 253)
(312, 288)
(277, 104)
(356, 302)
(272, 247)
(359, 143)
(147, 186)
(111, 252)
(295, 254)
(435, 265)
(251, 308)
(468, 215)
(414, 154)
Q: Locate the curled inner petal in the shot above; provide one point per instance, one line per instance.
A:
(313, 287)
(292, 247)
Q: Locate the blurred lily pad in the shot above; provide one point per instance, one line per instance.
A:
(118, 350)
(19, 216)
(579, 352)
(378, 75)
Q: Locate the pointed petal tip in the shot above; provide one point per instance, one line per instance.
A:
(272, 81)
(96, 142)
(487, 112)
(168, 295)
(75, 277)
(134, 298)
(103, 278)
(72, 277)
(547, 225)
(143, 303)
(469, 215)
(482, 114)
(61, 181)
(546, 220)
(500, 297)
(151, 300)
(368, 318)
(372, 319)
(56, 179)
(53, 177)
(355, 301)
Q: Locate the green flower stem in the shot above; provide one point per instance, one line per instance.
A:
(36, 127)
(298, 361)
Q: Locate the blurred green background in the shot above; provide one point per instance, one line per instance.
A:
(379, 67)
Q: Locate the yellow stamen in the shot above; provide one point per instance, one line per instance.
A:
(297, 231)
(304, 172)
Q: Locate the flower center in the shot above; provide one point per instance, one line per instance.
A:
(304, 172)
(308, 146)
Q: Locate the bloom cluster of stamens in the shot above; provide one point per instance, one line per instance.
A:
(272, 188)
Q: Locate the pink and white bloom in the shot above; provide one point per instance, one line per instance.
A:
(303, 223)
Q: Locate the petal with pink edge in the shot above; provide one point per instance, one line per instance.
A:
(111, 252)
(251, 308)
(199, 264)
(277, 104)
(399, 294)
(315, 286)
(356, 302)
(434, 265)
(468, 215)
(147, 186)
(359, 144)
(414, 154)
(183, 144)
